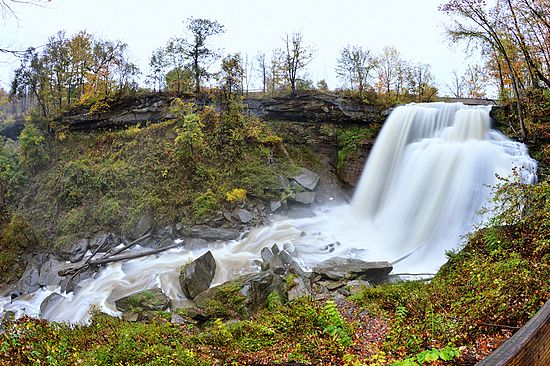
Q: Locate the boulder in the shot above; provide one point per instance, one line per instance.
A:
(240, 296)
(51, 300)
(48, 274)
(243, 215)
(105, 241)
(197, 276)
(148, 300)
(29, 281)
(210, 233)
(337, 268)
(144, 225)
(298, 289)
(307, 179)
(266, 254)
(165, 242)
(195, 244)
(275, 205)
(76, 251)
(305, 198)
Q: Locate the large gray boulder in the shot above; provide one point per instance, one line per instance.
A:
(243, 215)
(197, 276)
(210, 233)
(48, 273)
(104, 242)
(338, 268)
(305, 198)
(29, 281)
(76, 251)
(148, 300)
(307, 179)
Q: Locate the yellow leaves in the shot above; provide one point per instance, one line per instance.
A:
(236, 195)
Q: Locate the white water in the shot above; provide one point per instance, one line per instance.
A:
(428, 175)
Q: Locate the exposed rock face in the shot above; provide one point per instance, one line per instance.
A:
(104, 241)
(337, 268)
(312, 107)
(307, 179)
(76, 251)
(197, 276)
(148, 300)
(210, 233)
(152, 108)
(353, 165)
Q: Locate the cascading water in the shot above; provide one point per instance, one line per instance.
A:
(428, 175)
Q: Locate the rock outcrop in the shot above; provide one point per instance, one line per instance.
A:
(197, 276)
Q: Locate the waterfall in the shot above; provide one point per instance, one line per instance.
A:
(427, 177)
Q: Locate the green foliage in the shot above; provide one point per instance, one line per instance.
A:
(12, 176)
(335, 325)
(32, 151)
(350, 139)
(429, 356)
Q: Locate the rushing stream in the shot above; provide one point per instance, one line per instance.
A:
(428, 175)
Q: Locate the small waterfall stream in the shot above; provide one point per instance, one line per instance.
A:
(428, 175)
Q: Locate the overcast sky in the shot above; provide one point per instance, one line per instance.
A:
(415, 28)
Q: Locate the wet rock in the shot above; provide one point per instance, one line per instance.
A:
(179, 226)
(305, 198)
(337, 268)
(286, 258)
(266, 254)
(51, 300)
(71, 283)
(289, 247)
(166, 231)
(283, 182)
(144, 225)
(275, 205)
(76, 251)
(300, 213)
(307, 179)
(195, 244)
(105, 241)
(165, 242)
(48, 274)
(29, 281)
(148, 300)
(243, 215)
(210, 233)
(197, 276)
(298, 289)
(275, 249)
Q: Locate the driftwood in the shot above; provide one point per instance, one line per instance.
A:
(114, 257)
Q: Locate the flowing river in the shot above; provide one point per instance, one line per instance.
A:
(428, 176)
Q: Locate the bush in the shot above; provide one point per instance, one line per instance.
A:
(33, 152)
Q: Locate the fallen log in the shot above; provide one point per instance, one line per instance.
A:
(115, 257)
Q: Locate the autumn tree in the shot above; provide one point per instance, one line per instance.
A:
(80, 69)
(296, 57)
(199, 55)
(421, 82)
(513, 36)
(354, 67)
(231, 78)
(158, 63)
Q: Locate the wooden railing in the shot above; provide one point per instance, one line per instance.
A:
(529, 346)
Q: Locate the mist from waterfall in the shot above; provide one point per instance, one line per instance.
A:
(427, 177)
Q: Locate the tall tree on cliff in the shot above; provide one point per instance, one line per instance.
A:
(199, 55)
(354, 67)
(513, 35)
(296, 57)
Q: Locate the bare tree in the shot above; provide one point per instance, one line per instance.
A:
(262, 69)
(297, 57)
